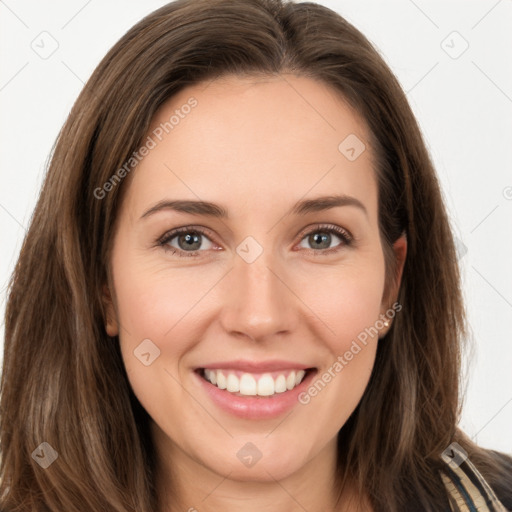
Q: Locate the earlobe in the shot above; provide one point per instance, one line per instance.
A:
(111, 323)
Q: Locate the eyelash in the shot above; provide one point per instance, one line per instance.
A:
(345, 236)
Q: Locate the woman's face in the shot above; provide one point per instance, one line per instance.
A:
(260, 295)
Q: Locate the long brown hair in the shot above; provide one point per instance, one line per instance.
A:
(63, 379)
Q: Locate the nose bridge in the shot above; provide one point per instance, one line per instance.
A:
(257, 301)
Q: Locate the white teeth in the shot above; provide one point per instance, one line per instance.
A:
(247, 384)
(233, 384)
(299, 376)
(221, 380)
(280, 384)
(266, 385)
(290, 381)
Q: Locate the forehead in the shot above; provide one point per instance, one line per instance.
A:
(245, 140)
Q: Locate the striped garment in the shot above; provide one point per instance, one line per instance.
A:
(467, 489)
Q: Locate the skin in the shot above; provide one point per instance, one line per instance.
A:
(256, 146)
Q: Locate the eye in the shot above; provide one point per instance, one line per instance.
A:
(185, 241)
(188, 241)
(322, 236)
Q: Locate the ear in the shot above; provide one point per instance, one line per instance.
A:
(400, 251)
(111, 323)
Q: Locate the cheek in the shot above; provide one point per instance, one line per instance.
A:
(347, 299)
(350, 308)
(156, 310)
(156, 304)
(160, 321)
(351, 311)
(158, 328)
(153, 298)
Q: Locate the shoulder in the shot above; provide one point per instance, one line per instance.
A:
(503, 487)
(468, 489)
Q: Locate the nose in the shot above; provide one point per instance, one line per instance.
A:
(259, 301)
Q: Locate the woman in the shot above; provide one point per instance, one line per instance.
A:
(175, 337)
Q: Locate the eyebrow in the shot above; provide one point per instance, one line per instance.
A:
(216, 211)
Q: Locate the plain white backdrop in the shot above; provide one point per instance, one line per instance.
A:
(451, 57)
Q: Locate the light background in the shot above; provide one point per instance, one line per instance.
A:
(463, 102)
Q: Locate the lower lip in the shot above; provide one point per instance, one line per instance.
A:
(254, 407)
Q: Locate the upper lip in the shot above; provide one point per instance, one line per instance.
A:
(257, 366)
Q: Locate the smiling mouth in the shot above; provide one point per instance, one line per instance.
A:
(254, 384)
